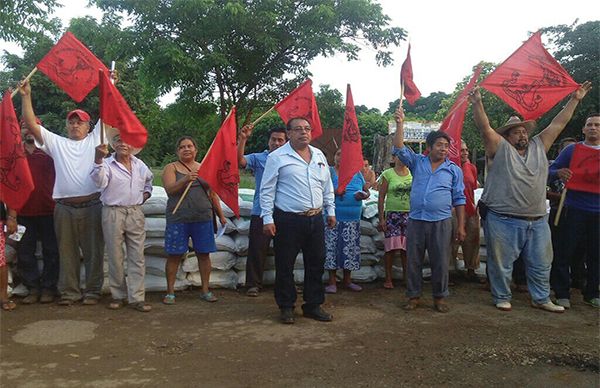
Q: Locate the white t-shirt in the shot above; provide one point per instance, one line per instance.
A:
(73, 161)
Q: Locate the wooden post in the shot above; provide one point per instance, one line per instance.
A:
(31, 73)
(561, 204)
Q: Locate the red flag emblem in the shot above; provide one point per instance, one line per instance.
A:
(220, 165)
(72, 67)
(16, 183)
(411, 92)
(352, 158)
(115, 112)
(453, 122)
(585, 165)
(531, 81)
(301, 103)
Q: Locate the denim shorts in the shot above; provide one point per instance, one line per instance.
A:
(177, 237)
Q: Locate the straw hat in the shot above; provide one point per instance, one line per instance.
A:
(111, 133)
(513, 122)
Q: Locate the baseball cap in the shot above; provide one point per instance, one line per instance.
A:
(83, 116)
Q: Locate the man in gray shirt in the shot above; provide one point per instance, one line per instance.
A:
(513, 201)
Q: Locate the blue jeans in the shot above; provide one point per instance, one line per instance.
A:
(508, 238)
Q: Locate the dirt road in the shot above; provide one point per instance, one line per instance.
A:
(238, 342)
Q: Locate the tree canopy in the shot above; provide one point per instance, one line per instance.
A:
(26, 20)
(248, 53)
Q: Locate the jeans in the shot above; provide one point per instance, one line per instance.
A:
(578, 229)
(38, 228)
(507, 239)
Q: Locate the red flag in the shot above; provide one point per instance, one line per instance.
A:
(585, 165)
(453, 122)
(72, 67)
(16, 183)
(351, 160)
(411, 92)
(531, 81)
(115, 112)
(220, 165)
(301, 103)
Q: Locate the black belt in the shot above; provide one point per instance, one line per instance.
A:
(525, 218)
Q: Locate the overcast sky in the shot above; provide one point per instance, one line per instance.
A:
(447, 38)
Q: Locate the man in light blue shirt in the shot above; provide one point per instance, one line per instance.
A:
(296, 189)
(437, 187)
(259, 242)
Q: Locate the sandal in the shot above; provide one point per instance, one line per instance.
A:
(353, 287)
(412, 304)
(8, 305)
(388, 285)
(169, 299)
(252, 291)
(208, 297)
(115, 304)
(141, 306)
(441, 307)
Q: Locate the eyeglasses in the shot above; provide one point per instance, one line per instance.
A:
(302, 129)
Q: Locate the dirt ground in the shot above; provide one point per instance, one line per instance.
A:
(238, 342)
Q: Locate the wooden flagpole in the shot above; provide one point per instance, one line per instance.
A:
(561, 204)
(31, 73)
(263, 115)
(190, 184)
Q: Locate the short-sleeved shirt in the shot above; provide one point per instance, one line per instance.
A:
(516, 185)
(256, 163)
(397, 198)
(347, 208)
(73, 161)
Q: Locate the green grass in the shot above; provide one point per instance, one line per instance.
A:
(246, 178)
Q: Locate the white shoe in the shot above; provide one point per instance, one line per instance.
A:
(504, 306)
(566, 303)
(548, 306)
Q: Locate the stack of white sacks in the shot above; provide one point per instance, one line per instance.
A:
(229, 262)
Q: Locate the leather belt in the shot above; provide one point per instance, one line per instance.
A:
(80, 202)
(310, 212)
(525, 218)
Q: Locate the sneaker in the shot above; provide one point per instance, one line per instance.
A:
(32, 298)
(594, 302)
(504, 306)
(548, 306)
(566, 303)
(331, 289)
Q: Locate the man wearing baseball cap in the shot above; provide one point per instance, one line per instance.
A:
(513, 203)
(78, 211)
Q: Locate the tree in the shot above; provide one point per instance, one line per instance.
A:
(576, 48)
(23, 21)
(331, 107)
(249, 52)
(424, 109)
(371, 124)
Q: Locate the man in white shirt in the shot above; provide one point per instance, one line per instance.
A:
(78, 211)
(296, 188)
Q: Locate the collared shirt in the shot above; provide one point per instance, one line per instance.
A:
(293, 185)
(40, 202)
(256, 163)
(120, 187)
(433, 193)
(73, 161)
